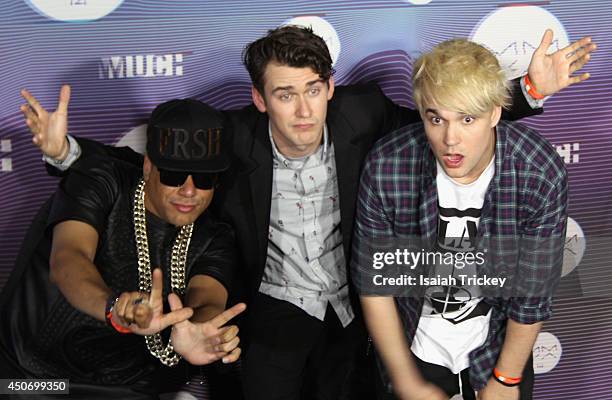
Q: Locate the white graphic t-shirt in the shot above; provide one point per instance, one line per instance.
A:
(454, 320)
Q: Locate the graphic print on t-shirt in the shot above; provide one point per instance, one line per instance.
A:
(459, 210)
(454, 319)
(456, 234)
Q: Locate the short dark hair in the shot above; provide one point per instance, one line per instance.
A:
(292, 45)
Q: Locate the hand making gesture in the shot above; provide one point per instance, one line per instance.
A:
(143, 313)
(49, 130)
(550, 73)
(205, 342)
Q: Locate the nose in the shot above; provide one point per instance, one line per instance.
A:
(303, 108)
(451, 136)
(188, 188)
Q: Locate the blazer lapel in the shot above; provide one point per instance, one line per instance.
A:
(260, 182)
(347, 157)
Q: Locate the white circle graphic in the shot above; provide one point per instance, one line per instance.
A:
(575, 244)
(136, 138)
(546, 353)
(513, 33)
(322, 28)
(75, 10)
(419, 2)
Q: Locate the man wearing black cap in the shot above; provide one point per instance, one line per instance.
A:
(84, 302)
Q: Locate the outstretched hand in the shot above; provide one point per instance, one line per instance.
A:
(202, 343)
(143, 313)
(550, 73)
(48, 130)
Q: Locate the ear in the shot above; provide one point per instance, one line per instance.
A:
(146, 168)
(258, 100)
(330, 87)
(495, 116)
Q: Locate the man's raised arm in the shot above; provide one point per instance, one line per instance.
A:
(50, 134)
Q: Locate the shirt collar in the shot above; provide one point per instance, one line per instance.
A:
(322, 149)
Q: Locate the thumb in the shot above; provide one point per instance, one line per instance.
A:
(64, 99)
(178, 313)
(547, 39)
(175, 302)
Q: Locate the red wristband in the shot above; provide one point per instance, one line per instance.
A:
(110, 305)
(532, 90)
(505, 380)
(118, 328)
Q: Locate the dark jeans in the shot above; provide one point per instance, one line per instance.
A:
(449, 382)
(294, 356)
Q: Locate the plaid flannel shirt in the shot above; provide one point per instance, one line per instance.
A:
(527, 198)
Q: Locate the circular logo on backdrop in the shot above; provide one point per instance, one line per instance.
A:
(513, 33)
(418, 2)
(74, 10)
(575, 243)
(322, 28)
(136, 138)
(546, 353)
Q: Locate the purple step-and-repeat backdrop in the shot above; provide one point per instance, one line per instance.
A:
(124, 56)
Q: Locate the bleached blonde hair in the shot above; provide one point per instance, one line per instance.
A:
(460, 76)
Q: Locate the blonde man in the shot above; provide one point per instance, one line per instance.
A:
(460, 176)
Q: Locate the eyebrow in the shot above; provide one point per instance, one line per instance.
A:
(284, 88)
(434, 111)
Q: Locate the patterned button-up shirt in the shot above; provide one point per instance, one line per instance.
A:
(305, 264)
(526, 199)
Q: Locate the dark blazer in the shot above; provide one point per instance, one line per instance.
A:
(357, 116)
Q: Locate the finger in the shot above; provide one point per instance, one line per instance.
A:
(229, 333)
(576, 45)
(64, 99)
(131, 304)
(29, 114)
(143, 314)
(579, 78)
(227, 315)
(223, 335)
(175, 317)
(121, 304)
(178, 313)
(232, 357)
(32, 101)
(157, 286)
(571, 57)
(229, 346)
(134, 302)
(175, 302)
(576, 65)
(544, 43)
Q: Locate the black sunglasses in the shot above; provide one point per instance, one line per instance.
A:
(201, 180)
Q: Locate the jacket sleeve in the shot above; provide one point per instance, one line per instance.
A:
(91, 148)
(519, 108)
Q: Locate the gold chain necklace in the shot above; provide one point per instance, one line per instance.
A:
(166, 354)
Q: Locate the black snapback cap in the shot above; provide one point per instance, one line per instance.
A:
(187, 135)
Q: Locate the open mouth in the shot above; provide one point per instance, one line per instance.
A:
(453, 160)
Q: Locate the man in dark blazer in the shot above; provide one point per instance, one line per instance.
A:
(291, 198)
